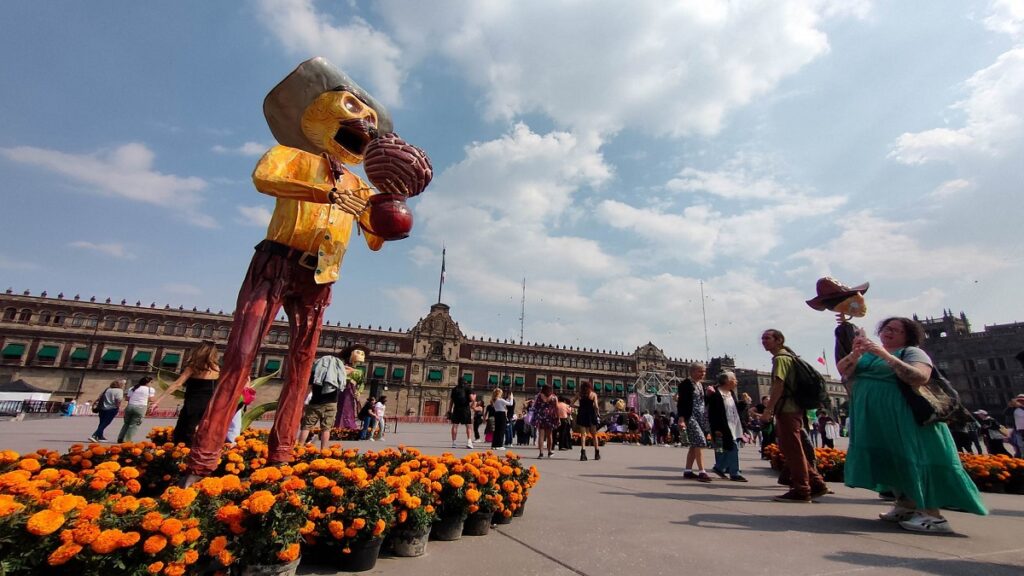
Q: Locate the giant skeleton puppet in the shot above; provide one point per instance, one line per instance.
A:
(322, 120)
(847, 303)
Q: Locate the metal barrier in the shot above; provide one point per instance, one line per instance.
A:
(15, 407)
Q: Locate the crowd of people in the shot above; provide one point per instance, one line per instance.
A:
(889, 452)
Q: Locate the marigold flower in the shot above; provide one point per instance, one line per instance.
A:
(472, 495)
(174, 569)
(290, 553)
(29, 464)
(260, 502)
(170, 527)
(129, 473)
(63, 553)
(179, 498)
(322, 482)
(154, 544)
(152, 521)
(379, 527)
(217, 545)
(107, 541)
(129, 539)
(45, 522)
(8, 505)
(211, 486)
(225, 558)
(336, 528)
(155, 567)
(190, 557)
(125, 505)
(90, 512)
(358, 523)
(85, 533)
(178, 539)
(192, 534)
(229, 513)
(456, 481)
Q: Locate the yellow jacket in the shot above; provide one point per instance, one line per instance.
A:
(303, 219)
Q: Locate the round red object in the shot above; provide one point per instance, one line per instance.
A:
(390, 218)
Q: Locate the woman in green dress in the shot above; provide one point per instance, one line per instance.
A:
(888, 449)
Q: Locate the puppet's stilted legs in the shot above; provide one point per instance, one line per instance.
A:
(259, 299)
(305, 308)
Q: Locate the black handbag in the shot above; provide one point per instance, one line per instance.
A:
(935, 400)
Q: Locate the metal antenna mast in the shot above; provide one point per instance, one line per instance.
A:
(707, 348)
(522, 313)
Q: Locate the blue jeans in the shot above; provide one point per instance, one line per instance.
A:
(728, 462)
(368, 425)
(106, 417)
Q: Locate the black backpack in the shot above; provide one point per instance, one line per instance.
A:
(809, 389)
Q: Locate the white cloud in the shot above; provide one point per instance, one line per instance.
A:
(114, 249)
(500, 209)
(1006, 17)
(951, 188)
(246, 149)
(666, 68)
(751, 208)
(878, 248)
(365, 54)
(409, 302)
(254, 215)
(125, 172)
(993, 122)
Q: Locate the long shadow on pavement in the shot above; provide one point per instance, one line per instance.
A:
(952, 567)
(816, 524)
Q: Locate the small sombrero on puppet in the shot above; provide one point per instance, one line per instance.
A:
(284, 105)
(831, 292)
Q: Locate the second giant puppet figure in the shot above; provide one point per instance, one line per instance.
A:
(322, 120)
(847, 303)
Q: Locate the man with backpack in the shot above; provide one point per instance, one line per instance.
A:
(793, 387)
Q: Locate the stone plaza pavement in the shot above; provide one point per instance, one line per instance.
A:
(632, 513)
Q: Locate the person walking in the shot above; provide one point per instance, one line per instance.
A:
(366, 418)
(460, 413)
(888, 449)
(199, 378)
(325, 383)
(563, 437)
(139, 398)
(500, 406)
(106, 407)
(995, 440)
(588, 420)
(726, 427)
(805, 483)
(478, 417)
(380, 425)
(693, 422)
(545, 419)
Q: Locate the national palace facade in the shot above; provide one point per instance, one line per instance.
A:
(74, 347)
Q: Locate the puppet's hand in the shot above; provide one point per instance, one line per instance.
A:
(348, 202)
(841, 318)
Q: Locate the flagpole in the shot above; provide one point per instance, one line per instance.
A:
(825, 358)
(440, 284)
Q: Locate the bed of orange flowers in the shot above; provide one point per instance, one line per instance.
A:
(112, 509)
(999, 473)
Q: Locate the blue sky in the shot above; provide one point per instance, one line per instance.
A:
(614, 154)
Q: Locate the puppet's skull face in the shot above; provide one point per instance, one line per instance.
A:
(341, 124)
(358, 357)
(854, 306)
